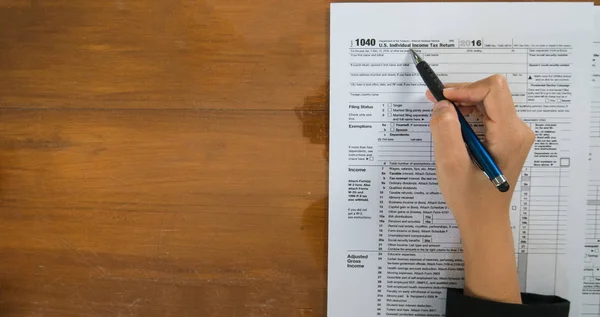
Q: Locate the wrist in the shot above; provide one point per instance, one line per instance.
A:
(489, 257)
(475, 224)
(486, 233)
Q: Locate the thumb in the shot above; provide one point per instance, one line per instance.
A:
(449, 147)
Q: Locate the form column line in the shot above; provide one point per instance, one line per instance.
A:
(557, 224)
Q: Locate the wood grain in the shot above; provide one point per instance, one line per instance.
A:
(163, 158)
(162, 54)
(161, 212)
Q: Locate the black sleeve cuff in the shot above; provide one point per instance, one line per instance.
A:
(458, 304)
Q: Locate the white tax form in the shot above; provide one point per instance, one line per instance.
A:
(591, 272)
(393, 245)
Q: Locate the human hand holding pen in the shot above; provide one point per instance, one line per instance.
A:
(480, 210)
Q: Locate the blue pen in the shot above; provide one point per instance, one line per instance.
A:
(479, 155)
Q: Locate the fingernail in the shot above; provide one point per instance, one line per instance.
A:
(440, 105)
(449, 88)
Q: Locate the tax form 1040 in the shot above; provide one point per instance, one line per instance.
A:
(393, 245)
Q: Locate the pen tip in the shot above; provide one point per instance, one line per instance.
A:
(415, 57)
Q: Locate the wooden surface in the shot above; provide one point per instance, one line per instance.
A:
(163, 157)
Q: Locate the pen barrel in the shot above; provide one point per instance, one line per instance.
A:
(477, 151)
(431, 80)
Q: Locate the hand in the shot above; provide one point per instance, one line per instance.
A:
(480, 210)
(467, 191)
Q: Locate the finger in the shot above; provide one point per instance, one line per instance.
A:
(492, 91)
(455, 85)
(466, 110)
(470, 93)
(465, 107)
(430, 96)
(449, 147)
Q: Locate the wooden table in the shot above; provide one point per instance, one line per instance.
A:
(163, 158)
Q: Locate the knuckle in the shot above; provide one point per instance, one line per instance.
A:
(446, 117)
(443, 123)
(526, 134)
(471, 95)
(529, 138)
(499, 80)
(523, 138)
